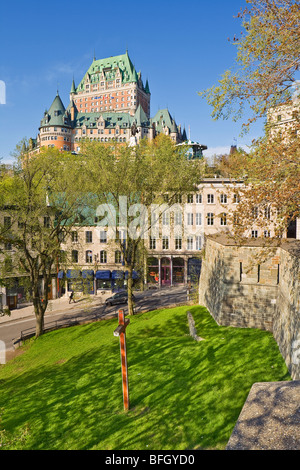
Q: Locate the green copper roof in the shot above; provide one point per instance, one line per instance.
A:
(107, 69)
(162, 119)
(141, 118)
(73, 88)
(147, 89)
(90, 120)
(56, 116)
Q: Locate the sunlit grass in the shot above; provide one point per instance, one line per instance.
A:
(65, 391)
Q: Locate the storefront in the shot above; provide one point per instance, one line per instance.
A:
(103, 280)
(74, 280)
(178, 270)
(117, 280)
(166, 271)
(87, 281)
(153, 271)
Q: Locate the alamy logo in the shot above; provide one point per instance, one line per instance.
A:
(2, 92)
(138, 221)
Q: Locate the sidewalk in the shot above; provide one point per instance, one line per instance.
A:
(55, 306)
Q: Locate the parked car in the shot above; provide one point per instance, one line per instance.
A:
(119, 298)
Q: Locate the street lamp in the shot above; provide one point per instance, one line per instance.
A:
(96, 258)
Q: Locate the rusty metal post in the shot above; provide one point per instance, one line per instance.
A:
(120, 331)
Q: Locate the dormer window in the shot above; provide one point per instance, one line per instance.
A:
(56, 113)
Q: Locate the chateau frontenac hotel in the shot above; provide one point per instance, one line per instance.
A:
(109, 100)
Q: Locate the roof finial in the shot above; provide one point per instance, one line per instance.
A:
(94, 56)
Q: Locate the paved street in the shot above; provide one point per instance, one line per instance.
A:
(60, 312)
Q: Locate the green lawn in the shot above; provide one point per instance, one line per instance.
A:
(65, 391)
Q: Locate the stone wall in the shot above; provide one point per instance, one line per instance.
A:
(255, 285)
(286, 321)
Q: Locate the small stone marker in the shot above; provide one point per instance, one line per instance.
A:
(120, 331)
(2, 352)
(192, 327)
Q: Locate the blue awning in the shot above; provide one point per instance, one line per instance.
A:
(60, 274)
(73, 273)
(117, 275)
(87, 273)
(135, 275)
(103, 275)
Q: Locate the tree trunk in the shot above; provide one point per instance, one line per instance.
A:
(40, 304)
(39, 316)
(39, 326)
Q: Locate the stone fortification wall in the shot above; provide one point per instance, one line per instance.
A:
(286, 321)
(256, 286)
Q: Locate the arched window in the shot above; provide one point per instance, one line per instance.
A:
(103, 256)
(118, 256)
(88, 256)
(74, 256)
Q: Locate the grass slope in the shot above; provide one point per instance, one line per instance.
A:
(65, 391)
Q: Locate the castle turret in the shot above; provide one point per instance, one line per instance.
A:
(55, 128)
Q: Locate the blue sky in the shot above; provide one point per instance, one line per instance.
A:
(181, 47)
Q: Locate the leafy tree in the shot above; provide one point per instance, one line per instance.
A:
(267, 61)
(130, 181)
(38, 200)
(264, 82)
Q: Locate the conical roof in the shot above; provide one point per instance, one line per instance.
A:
(73, 88)
(140, 116)
(147, 89)
(56, 116)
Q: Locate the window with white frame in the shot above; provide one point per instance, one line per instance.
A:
(165, 242)
(210, 218)
(166, 218)
(223, 219)
(236, 198)
(198, 198)
(190, 218)
(103, 256)
(88, 256)
(223, 198)
(267, 212)
(189, 243)
(74, 256)
(210, 199)
(88, 236)
(178, 218)
(254, 234)
(152, 243)
(198, 242)
(190, 198)
(103, 236)
(198, 218)
(178, 243)
(74, 236)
